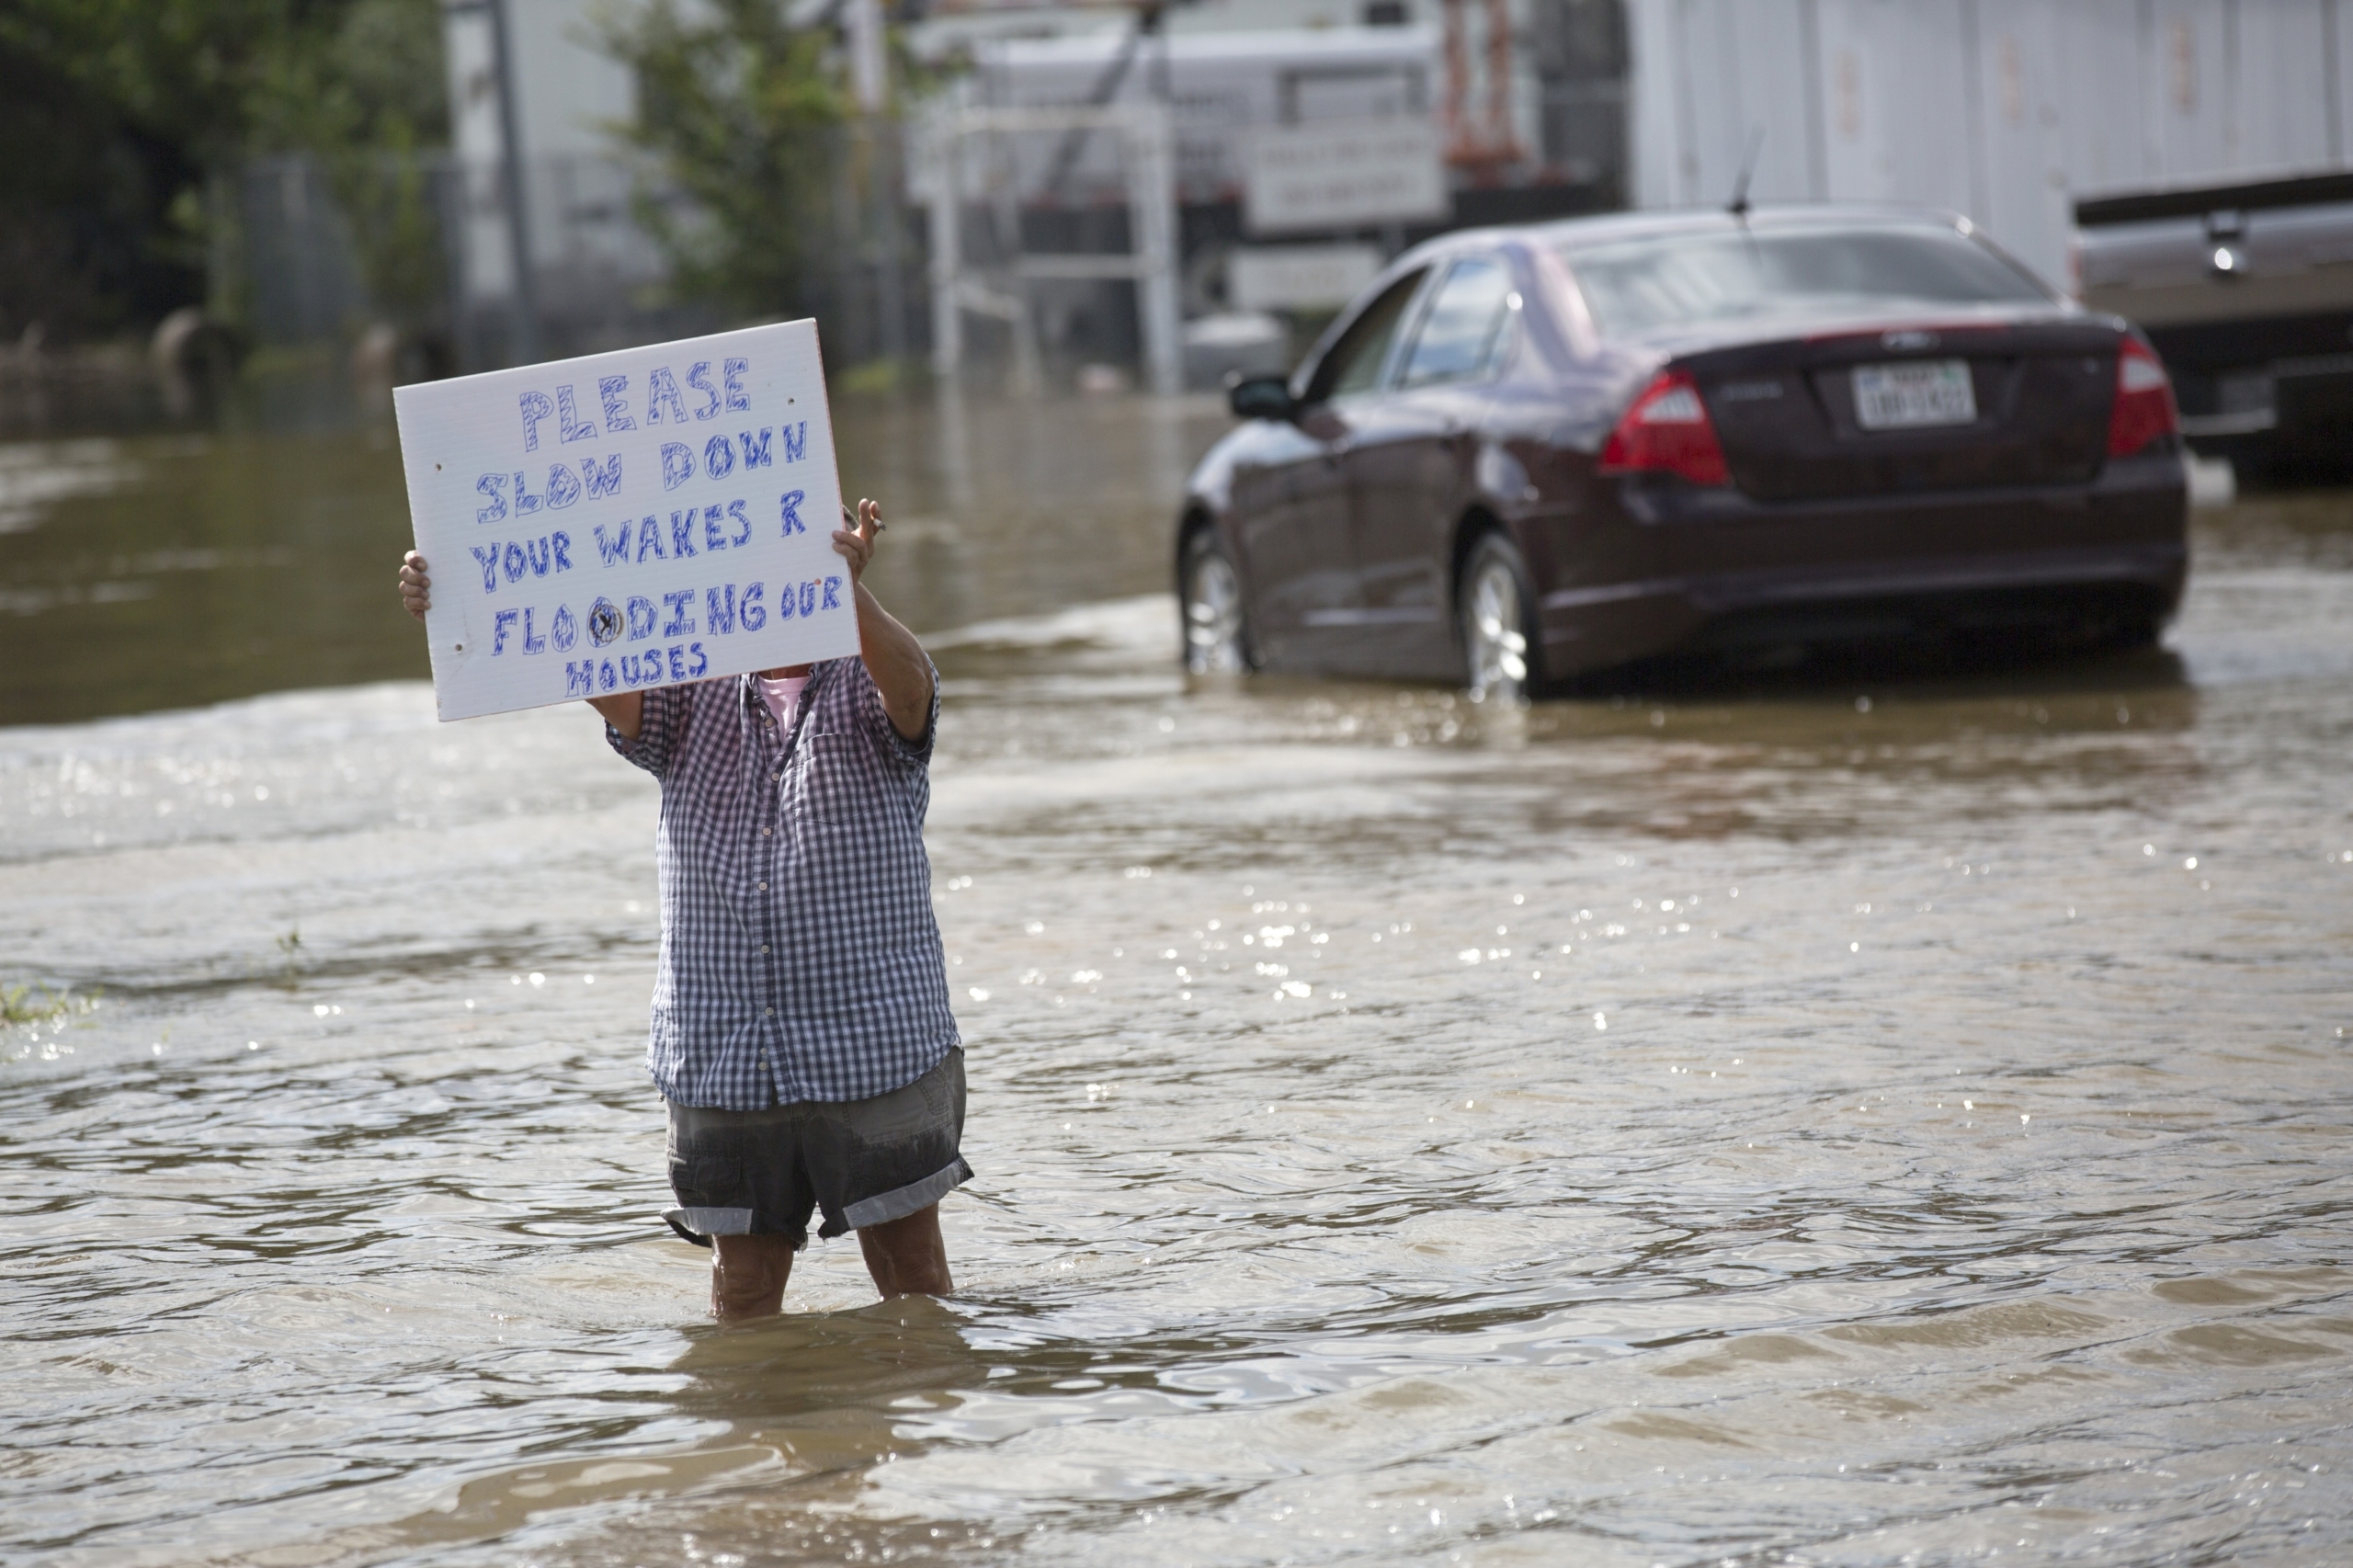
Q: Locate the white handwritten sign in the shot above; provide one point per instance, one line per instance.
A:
(628, 520)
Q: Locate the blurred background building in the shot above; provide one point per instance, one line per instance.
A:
(2181, 163)
(1100, 193)
(1522, 102)
(2009, 111)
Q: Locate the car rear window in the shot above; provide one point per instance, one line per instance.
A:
(1633, 285)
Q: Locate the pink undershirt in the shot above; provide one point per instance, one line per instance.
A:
(782, 697)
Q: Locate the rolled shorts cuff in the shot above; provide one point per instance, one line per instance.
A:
(899, 1202)
(699, 1225)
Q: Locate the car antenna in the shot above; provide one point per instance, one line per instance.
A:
(1738, 205)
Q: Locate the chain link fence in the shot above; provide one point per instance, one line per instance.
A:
(292, 272)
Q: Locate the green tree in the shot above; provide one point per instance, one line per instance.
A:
(111, 111)
(361, 87)
(737, 109)
(117, 112)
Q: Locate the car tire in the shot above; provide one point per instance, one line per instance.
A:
(2129, 636)
(1502, 655)
(1217, 636)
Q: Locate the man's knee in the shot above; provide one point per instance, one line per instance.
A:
(908, 1256)
(748, 1275)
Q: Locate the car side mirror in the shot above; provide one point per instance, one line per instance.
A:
(1261, 397)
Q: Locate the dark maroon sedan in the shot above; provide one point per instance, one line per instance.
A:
(1529, 454)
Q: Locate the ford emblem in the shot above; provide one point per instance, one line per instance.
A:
(1909, 338)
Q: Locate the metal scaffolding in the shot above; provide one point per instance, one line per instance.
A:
(958, 175)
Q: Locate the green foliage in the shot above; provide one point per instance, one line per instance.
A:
(738, 109)
(181, 71)
(96, 158)
(35, 1005)
(364, 91)
(115, 112)
(874, 377)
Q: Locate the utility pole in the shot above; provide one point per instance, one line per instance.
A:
(525, 301)
(522, 301)
(869, 60)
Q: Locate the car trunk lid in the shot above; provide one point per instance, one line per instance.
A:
(1899, 409)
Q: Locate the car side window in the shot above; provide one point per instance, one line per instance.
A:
(1355, 363)
(1461, 329)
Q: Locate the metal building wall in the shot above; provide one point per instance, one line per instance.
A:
(2007, 110)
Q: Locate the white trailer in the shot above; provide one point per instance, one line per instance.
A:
(1217, 87)
(2007, 111)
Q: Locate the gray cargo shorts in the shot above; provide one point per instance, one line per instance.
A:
(863, 1162)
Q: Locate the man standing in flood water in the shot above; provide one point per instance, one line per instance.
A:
(801, 1035)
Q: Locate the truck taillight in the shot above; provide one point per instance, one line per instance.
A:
(1667, 430)
(2144, 410)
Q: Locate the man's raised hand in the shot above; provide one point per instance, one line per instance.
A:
(855, 545)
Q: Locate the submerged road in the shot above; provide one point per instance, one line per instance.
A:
(1840, 1124)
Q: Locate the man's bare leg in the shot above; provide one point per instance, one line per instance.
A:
(908, 1256)
(748, 1274)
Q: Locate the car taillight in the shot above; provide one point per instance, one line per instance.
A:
(2144, 410)
(1667, 430)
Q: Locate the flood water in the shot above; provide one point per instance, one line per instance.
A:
(1838, 1123)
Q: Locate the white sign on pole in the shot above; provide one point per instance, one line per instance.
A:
(628, 520)
(1342, 174)
(1287, 277)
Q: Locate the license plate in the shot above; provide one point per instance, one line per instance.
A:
(1909, 396)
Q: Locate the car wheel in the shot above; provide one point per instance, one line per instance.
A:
(1215, 639)
(1500, 652)
(2129, 636)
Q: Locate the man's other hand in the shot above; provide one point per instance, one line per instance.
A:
(417, 588)
(624, 710)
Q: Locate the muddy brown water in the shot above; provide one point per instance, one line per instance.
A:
(1834, 1124)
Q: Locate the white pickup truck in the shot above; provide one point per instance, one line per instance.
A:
(2247, 292)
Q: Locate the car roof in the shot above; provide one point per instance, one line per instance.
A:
(1573, 233)
(1566, 236)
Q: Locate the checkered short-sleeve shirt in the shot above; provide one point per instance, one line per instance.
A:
(799, 958)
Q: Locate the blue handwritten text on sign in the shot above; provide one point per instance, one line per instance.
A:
(685, 536)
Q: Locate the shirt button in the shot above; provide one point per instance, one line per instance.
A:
(766, 1013)
(763, 887)
(764, 832)
(764, 946)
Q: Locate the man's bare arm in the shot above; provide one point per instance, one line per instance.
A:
(892, 656)
(625, 711)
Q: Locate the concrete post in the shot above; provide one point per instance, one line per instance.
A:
(1147, 154)
(1152, 217)
(947, 246)
(524, 304)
